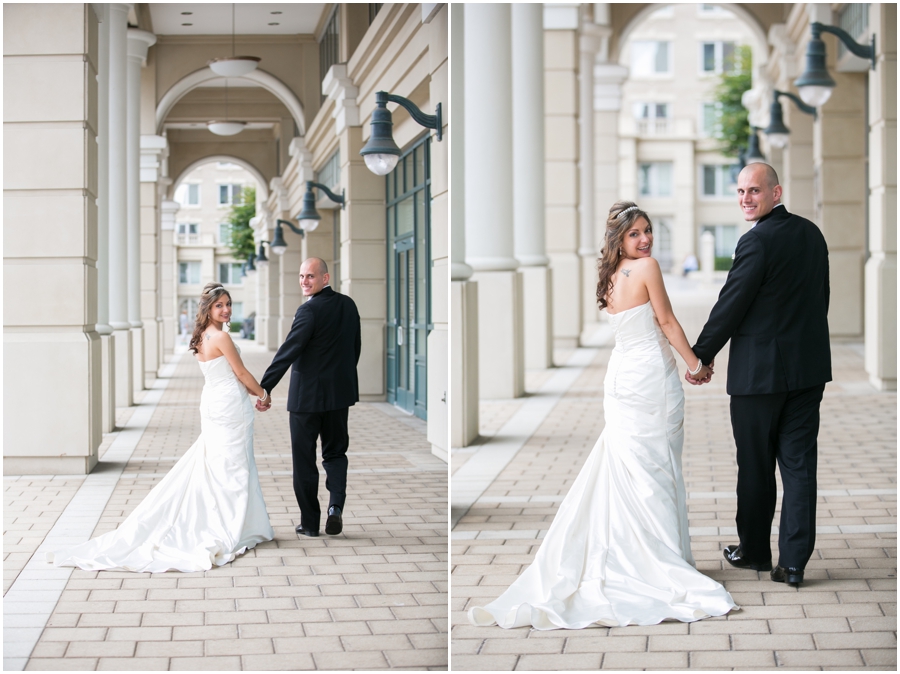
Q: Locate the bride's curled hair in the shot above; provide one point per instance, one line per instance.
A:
(211, 293)
(622, 216)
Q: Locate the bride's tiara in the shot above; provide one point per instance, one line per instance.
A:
(627, 210)
(212, 290)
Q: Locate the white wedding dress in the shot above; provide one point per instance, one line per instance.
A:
(207, 510)
(618, 551)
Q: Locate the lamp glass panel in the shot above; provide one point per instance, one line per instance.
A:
(381, 164)
(279, 250)
(308, 225)
(778, 139)
(814, 95)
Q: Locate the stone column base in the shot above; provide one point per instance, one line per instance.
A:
(49, 465)
(107, 384)
(501, 335)
(124, 369)
(881, 321)
(137, 353)
(567, 312)
(464, 363)
(537, 286)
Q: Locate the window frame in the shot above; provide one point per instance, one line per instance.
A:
(718, 57)
(654, 74)
(723, 180)
(186, 266)
(654, 178)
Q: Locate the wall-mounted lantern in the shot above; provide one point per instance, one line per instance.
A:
(381, 152)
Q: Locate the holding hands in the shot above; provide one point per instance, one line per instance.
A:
(701, 376)
(263, 402)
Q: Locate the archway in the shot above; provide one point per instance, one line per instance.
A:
(260, 179)
(265, 80)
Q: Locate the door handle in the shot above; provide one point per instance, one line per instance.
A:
(400, 335)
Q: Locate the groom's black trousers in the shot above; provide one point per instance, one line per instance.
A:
(782, 428)
(305, 429)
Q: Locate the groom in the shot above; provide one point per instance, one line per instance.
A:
(774, 308)
(323, 347)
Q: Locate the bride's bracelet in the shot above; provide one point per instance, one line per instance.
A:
(696, 370)
(264, 398)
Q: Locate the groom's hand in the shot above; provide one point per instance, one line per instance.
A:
(260, 407)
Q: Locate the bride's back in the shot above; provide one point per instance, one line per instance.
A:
(629, 288)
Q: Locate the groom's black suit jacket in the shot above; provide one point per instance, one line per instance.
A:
(323, 346)
(774, 308)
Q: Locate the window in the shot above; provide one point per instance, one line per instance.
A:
(330, 173)
(227, 165)
(189, 272)
(726, 238)
(710, 118)
(186, 232)
(230, 272)
(188, 194)
(237, 312)
(718, 180)
(651, 110)
(224, 233)
(330, 44)
(717, 57)
(230, 194)
(650, 58)
(655, 179)
(713, 11)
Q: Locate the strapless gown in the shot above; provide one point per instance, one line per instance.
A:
(618, 551)
(209, 507)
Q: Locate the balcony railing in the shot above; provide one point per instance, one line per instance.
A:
(654, 127)
(185, 239)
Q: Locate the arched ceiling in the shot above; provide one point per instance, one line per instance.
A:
(622, 15)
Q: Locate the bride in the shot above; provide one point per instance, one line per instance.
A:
(209, 508)
(618, 551)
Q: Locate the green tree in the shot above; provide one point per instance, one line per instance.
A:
(733, 128)
(241, 231)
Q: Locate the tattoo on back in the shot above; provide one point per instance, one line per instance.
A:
(626, 272)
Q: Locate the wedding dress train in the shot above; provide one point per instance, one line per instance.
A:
(618, 551)
(207, 510)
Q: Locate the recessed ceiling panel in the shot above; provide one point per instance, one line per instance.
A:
(249, 18)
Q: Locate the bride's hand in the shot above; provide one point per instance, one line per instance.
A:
(705, 374)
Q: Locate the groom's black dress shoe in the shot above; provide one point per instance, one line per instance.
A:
(306, 532)
(789, 575)
(735, 557)
(334, 524)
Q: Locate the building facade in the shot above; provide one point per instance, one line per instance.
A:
(116, 98)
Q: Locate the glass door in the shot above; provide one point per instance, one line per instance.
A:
(409, 280)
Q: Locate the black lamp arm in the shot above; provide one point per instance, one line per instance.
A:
(338, 199)
(808, 109)
(434, 121)
(863, 51)
(293, 227)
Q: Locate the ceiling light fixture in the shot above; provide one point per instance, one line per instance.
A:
(226, 127)
(234, 66)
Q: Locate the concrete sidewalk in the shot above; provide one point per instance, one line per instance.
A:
(844, 615)
(374, 597)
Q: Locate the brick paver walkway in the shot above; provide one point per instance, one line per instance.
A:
(374, 597)
(844, 615)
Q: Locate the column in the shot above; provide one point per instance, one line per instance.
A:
(881, 267)
(138, 42)
(489, 200)
(118, 211)
(840, 194)
(51, 349)
(362, 242)
(438, 343)
(561, 61)
(153, 149)
(167, 270)
(528, 182)
(104, 329)
(588, 46)
(463, 291)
